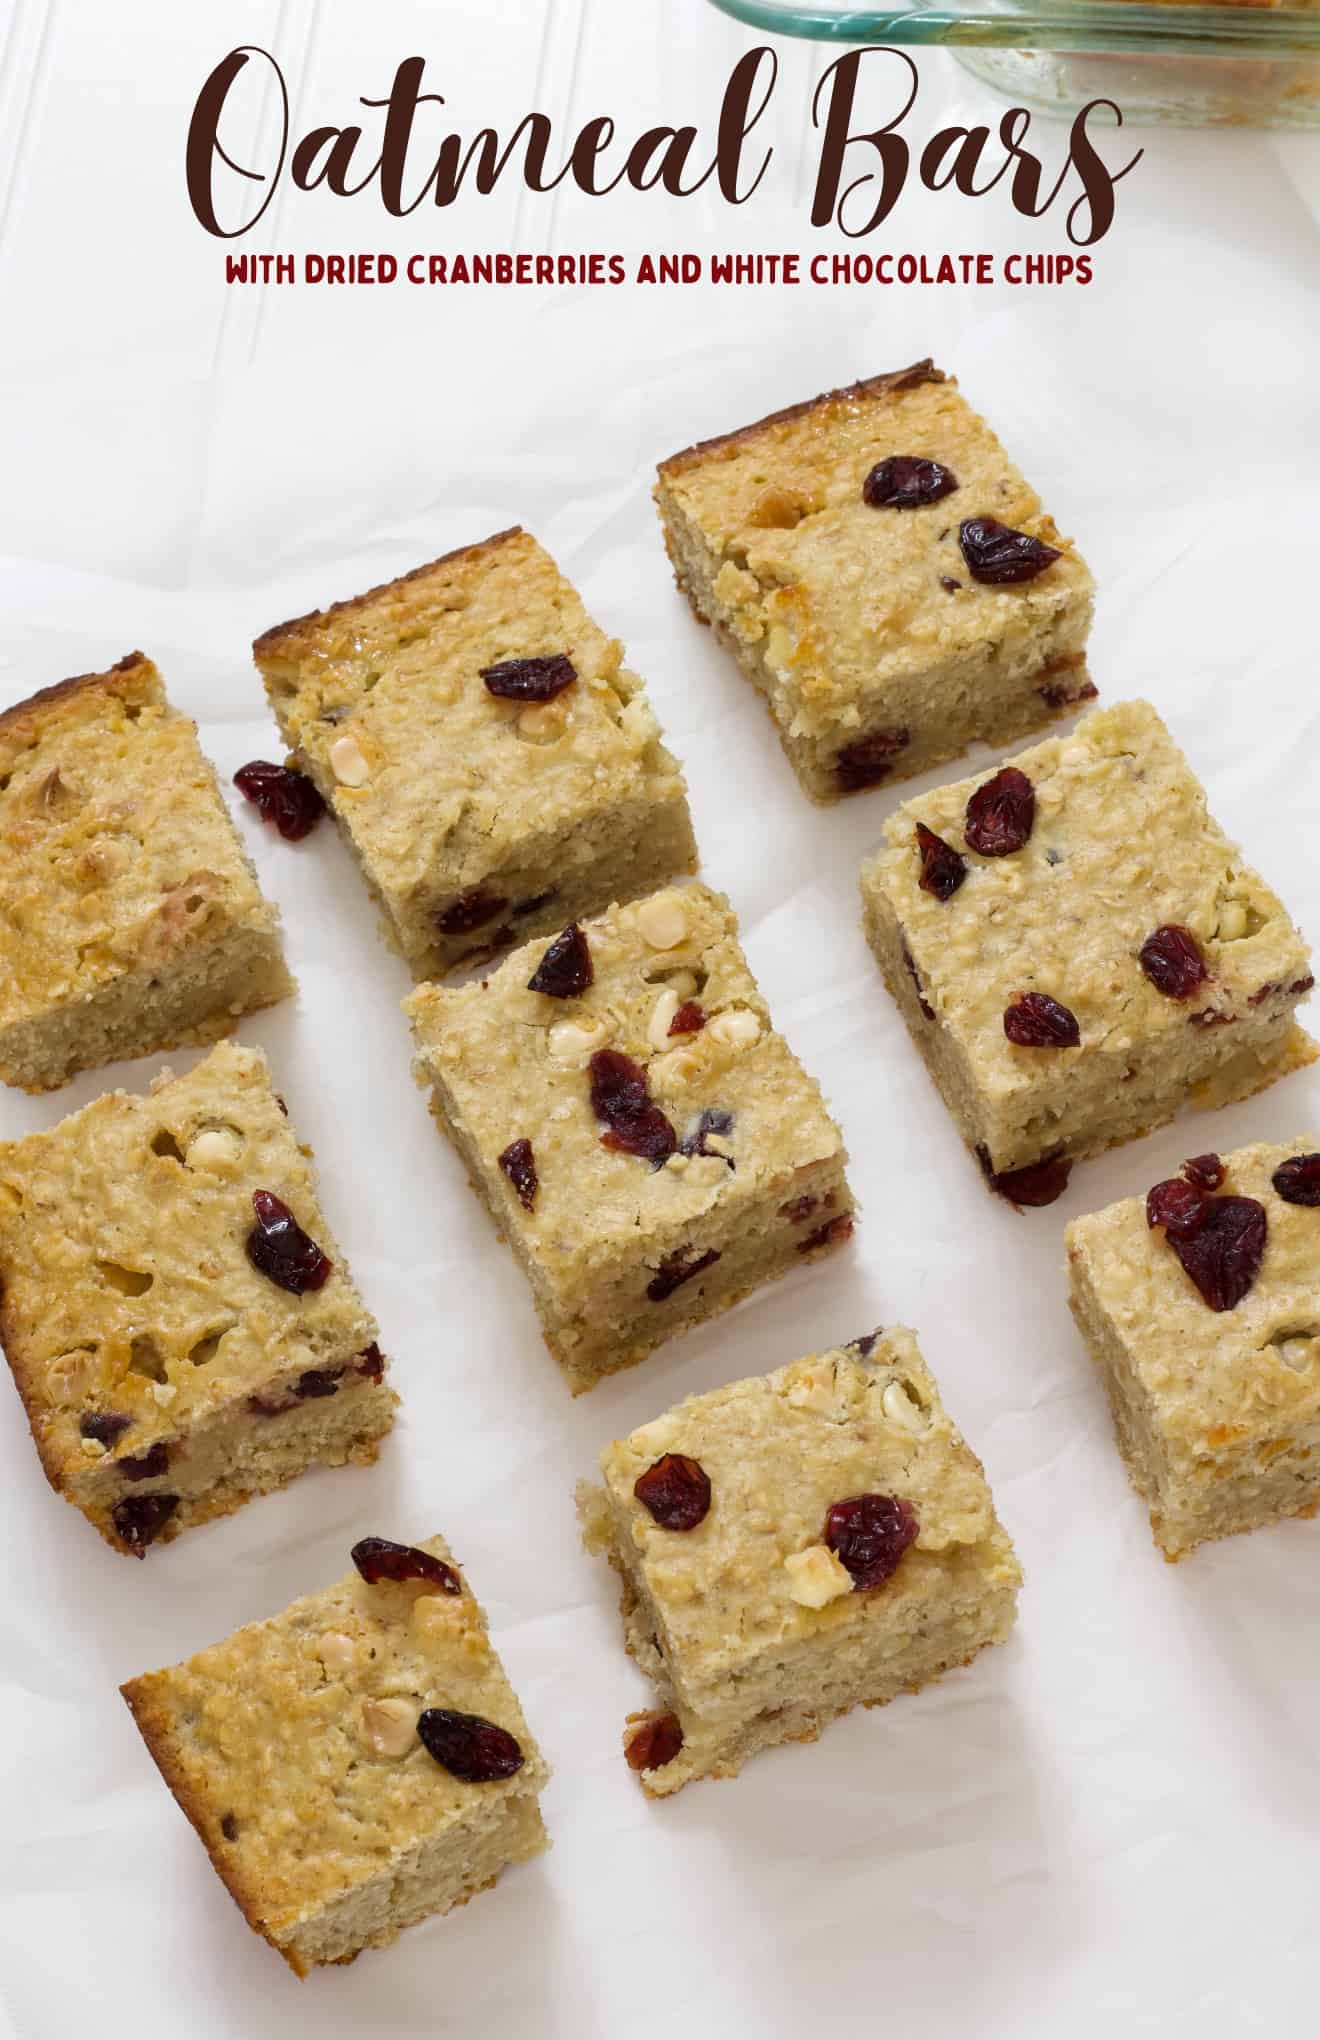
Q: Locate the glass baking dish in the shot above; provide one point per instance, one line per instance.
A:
(1198, 66)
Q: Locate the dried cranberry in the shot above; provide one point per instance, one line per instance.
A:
(927, 1009)
(1206, 1171)
(271, 1405)
(1172, 960)
(799, 1210)
(1001, 814)
(1298, 1180)
(380, 1558)
(147, 1465)
(1300, 986)
(906, 481)
(869, 760)
(674, 1271)
(1176, 1204)
(103, 1425)
(863, 1347)
(470, 910)
(539, 679)
(1224, 1252)
(869, 1534)
(994, 552)
(1035, 1020)
(655, 1743)
(371, 1362)
(943, 868)
(676, 1491)
(229, 1827)
(281, 1250)
(832, 1234)
(1055, 695)
(621, 1099)
(566, 968)
(468, 1746)
(1210, 1016)
(689, 1019)
(318, 1382)
(949, 585)
(139, 1519)
(714, 1119)
(282, 796)
(519, 1165)
(1036, 1184)
(535, 904)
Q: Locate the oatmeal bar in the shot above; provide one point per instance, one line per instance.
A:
(882, 572)
(355, 1763)
(1078, 949)
(1200, 1303)
(792, 1546)
(130, 915)
(177, 1317)
(639, 1132)
(494, 766)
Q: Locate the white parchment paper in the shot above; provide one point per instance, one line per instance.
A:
(1110, 1824)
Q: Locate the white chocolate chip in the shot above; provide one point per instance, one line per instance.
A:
(337, 1652)
(1296, 1352)
(816, 1391)
(737, 1027)
(677, 1163)
(662, 922)
(816, 1577)
(718, 1144)
(572, 1041)
(901, 1409)
(215, 1147)
(1232, 921)
(389, 1727)
(348, 761)
(163, 1392)
(93, 1448)
(657, 1032)
(669, 1072)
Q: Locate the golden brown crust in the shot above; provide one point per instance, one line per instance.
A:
(278, 632)
(132, 678)
(870, 386)
(154, 1718)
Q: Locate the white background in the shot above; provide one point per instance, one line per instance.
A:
(1109, 1825)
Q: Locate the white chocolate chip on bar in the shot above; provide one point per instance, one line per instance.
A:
(737, 1027)
(657, 1032)
(816, 1577)
(389, 1727)
(348, 761)
(662, 922)
(901, 1408)
(669, 1072)
(337, 1652)
(215, 1147)
(163, 1392)
(572, 1041)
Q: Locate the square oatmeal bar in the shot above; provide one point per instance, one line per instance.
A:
(1201, 1306)
(884, 575)
(1079, 951)
(177, 1317)
(130, 915)
(355, 1763)
(792, 1546)
(645, 1140)
(493, 764)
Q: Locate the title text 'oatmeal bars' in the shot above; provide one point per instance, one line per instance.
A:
(494, 766)
(884, 575)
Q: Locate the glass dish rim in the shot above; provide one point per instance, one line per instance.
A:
(1082, 27)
